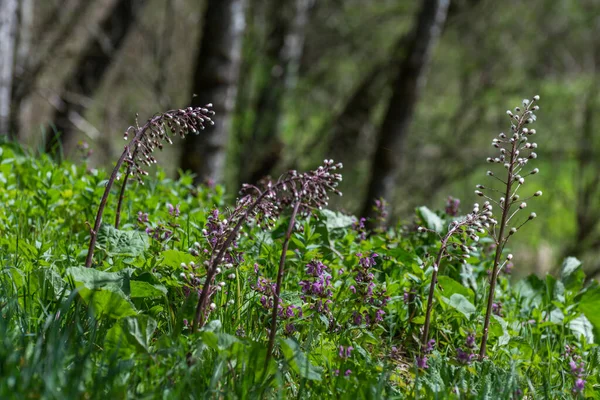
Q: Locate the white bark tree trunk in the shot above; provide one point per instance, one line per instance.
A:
(216, 81)
(8, 43)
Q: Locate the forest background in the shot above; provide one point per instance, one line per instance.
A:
(405, 93)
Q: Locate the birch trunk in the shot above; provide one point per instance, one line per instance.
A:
(8, 46)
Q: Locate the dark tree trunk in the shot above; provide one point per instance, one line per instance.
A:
(347, 128)
(285, 44)
(407, 87)
(215, 81)
(88, 74)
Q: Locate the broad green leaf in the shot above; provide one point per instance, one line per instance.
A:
(298, 360)
(450, 287)
(106, 292)
(336, 220)
(571, 273)
(556, 316)
(589, 304)
(499, 328)
(174, 258)
(582, 326)
(461, 304)
(94, 279)
(121, 243)
(404, 256)
(141, 289)
(432, 220)
(50, 280)
(531, 291)
(133, 332)
(112, 304)
(556, 289)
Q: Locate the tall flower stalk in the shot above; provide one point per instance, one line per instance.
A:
(138, 152)
(264, 205)
(515, 152)
(473, 223)
(280, 274)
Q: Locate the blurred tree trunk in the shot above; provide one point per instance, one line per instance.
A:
(285, 44)
(349, 125)
(8, 47)
(215, 81)
(30, 64)
(407, 87)
(86, 78)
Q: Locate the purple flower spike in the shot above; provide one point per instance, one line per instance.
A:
(579, 385)
(463, 357)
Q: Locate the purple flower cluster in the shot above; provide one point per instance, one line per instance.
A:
(577, 367)
(452, 206)
(497, 309)
(381, 211)
(316, 289)
(466, 357)
(421, 360)
(360, 227)
(173, 211)
(162, 231)
(285, 312)
(345, 352)
(367, 292)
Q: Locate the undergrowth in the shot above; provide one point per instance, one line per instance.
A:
(349, 307)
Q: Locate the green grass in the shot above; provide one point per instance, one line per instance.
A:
(122, 329)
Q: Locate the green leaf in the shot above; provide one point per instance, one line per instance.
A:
(571, 273)
(174, 258)
(106, 292)
(432, 220)
(51, 280)
(450, 287)
(121, 243)
(461, 304)
(132, 332)
(582, 326)
(298, 360)
(336, 220)
(531, 291)
(589, 306)
(499, 328)
(141, 289)
(556, 289)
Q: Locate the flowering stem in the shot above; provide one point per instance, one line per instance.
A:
(432, 290)
(121, 195)
(201, 306)
(109, 184)
(280, 274)
(500, 241)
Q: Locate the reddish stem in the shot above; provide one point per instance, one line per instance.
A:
(280, 274)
